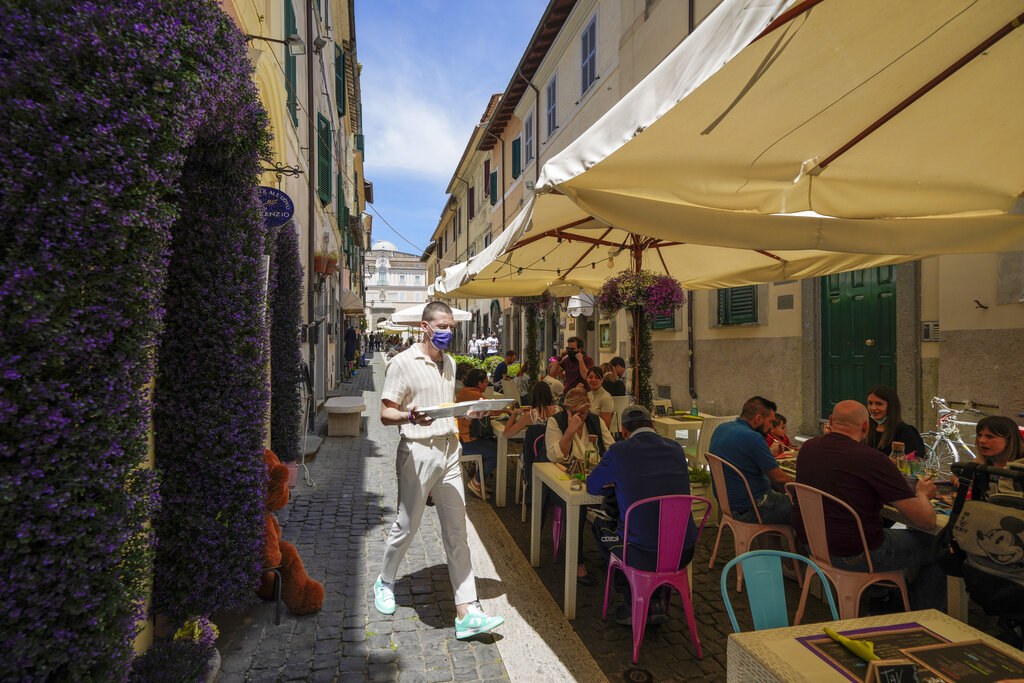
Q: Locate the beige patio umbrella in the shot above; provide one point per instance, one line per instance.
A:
(900, 122)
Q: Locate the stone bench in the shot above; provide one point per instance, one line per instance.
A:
(343, 415)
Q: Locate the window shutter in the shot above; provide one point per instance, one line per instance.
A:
(517, 155)
(340, 94)
(323, 157)
(360, 142)
(342, 213)
(487, 177)
(290, 73)
(471, 209)
(494, 187)
(552, 105)
(737, 305)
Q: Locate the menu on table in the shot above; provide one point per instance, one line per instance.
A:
(972, 661)
(888, 640)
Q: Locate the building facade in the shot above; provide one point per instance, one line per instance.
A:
(394, 280)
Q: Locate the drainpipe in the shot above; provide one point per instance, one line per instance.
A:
(311, 216)
(466, 183)
(536, 126)
(689, 343)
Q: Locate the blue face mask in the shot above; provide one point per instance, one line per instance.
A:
(441, 338)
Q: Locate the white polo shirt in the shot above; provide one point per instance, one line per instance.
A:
(412, 378)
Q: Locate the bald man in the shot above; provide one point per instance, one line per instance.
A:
(840, 463)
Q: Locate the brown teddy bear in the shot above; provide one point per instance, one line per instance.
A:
(301, 594)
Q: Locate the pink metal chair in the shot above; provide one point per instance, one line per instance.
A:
(673, 514)
(743, 533)
(849, 585)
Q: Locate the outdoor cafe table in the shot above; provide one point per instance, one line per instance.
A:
(501, 474)
(777, 655)
(557, 480)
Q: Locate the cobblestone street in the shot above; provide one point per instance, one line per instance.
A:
(339, 528)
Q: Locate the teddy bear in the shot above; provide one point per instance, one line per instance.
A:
(300, 594)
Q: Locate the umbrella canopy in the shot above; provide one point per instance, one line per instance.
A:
(693, 172)
(414, 314)
(863, 109)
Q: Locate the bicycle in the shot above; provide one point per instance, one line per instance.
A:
(945, 444)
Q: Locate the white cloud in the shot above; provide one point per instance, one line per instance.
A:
(417, 122)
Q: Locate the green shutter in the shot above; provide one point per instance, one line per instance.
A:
(323, 158)
(663, 322)
(290, 73)
(737, 305)
(517, 157)
(494, 188)
(342, 227)
(360, 142)
(340, 94)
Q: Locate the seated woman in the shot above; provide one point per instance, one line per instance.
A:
(887, 424)
(566, 437)
(554, 379)
(487, 447)
(542, 407)
(600, 400)
(999, 443)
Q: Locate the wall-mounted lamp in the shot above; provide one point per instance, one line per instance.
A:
(294, 43)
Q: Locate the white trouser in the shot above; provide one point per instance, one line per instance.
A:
(431, 466)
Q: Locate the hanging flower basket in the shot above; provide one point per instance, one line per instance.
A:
(655, 294)
(325, 264)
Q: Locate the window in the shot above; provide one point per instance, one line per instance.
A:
(339, 80)
(737, 305)
(487, 240)
(528, 137)
(588, 56)
(487, 178)
(323, 159)
(494, 187)
(457, 224)
(552, 93)
(401, 279)
(382, 277)
(417, 280)
(471, 201)
(290, 62)
(517, 157)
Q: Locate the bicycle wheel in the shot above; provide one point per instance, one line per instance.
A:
(945, 451)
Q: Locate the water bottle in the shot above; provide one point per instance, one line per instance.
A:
(899, 456)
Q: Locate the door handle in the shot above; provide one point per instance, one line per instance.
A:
(869, 342)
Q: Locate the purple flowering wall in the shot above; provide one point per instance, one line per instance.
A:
(212, 388)
(101, 102)
(285, 293)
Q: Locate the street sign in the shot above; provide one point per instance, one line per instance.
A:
(278, 207)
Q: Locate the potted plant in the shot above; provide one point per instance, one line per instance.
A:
(700, 485)
(190, 656)
(325, 263)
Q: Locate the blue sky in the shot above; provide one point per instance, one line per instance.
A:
(429, 69)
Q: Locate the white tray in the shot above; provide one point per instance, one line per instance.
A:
(460, 409)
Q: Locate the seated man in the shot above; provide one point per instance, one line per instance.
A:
(742, 444)
(616, 387)
(501, 368)
(644, 465)
(476, 438)
(864, 478)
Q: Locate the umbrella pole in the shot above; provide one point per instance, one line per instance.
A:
(638, 259)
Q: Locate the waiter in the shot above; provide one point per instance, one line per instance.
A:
(428, 464)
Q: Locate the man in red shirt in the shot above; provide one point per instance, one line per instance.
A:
(840, 463)
(575, 363)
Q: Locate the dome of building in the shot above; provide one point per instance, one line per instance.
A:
(383, 245)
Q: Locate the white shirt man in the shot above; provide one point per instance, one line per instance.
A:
(492, 345)
(428, 464)
(474, 347)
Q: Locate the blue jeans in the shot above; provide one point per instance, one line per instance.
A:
(905, 549)
(488, 448)
(775, 508)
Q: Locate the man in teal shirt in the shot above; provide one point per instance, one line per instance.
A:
(742, 444)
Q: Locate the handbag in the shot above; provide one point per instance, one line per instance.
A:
(480, 428)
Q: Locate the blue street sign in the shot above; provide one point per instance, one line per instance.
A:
(278, 207)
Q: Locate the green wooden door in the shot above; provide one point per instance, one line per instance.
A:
(858, 334)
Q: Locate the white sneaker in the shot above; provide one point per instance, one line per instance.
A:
(384, 596)
(475, 622)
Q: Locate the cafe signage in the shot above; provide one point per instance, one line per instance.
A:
(278, 207)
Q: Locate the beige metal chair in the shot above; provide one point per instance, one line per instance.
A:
(743, 533)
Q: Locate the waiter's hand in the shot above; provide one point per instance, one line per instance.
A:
(419, 418)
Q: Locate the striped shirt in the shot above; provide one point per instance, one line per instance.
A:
(412, 378)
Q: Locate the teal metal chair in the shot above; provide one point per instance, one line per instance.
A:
(762, 574)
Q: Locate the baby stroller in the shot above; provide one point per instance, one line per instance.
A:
(984, 542)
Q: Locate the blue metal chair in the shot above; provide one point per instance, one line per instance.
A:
(762, 573)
